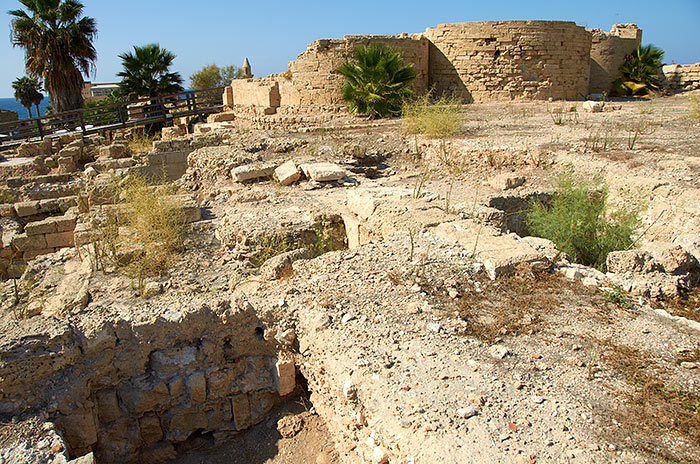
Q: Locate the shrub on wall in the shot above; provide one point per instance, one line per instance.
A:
(376, 82)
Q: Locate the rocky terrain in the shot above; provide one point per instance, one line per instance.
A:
(383, 283)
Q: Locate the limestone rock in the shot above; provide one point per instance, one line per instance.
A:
(591, 106)
(281, 265)
(323, 172)
(252, 171)
(506, 181)
(287, 173)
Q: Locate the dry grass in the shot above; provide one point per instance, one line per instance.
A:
(440, 118)
(656, 408)
(694, 103)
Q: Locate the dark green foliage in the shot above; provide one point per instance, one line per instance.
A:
(28, 92)
(147, 73)
(377, 82)
(576, 221)
(58, 47)
(213, 76)
(640, 72)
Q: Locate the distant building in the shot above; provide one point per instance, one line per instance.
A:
(98, 92)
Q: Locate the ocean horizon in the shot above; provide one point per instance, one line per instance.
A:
(12, 105)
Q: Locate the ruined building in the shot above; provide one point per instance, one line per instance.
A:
(478, 61)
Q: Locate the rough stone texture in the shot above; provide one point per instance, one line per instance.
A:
(114, 151)
(499, 253)
(8, 116)
(123, 386)
(682, 76)
(252, 171)
(280, 265)
(608, 52)
(323, 172)
(287, 173)
(506, 181)
(507, 60)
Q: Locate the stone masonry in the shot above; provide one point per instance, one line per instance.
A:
(478, 61)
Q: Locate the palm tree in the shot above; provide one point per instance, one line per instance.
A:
(28, 92)
(58, 47)
(640, 71)
(377, 83)
(146, 72)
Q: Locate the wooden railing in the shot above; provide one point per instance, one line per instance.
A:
(113, 116)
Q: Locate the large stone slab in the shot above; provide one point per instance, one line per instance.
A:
(323, 172)
(498, 253)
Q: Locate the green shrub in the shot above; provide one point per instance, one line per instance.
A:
(377, 82)
(436, 119)
(640, 72)
(576, 220)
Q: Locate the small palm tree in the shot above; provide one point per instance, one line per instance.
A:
(58, 47)
(640, 71)
(28, 92)
(377, 82)
(147, 73)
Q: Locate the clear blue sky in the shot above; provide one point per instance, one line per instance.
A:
(271, 33)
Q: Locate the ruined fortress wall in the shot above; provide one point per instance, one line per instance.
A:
(682, 76)
(312, 79)
(507, 60)
(608, 52)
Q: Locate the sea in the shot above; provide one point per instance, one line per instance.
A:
(12, 105)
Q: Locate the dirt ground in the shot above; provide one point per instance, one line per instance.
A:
(412, 353)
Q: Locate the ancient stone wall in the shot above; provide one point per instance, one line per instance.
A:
(313, 80)
(130, 389)
(506, 60)
(608, 52)
(681, 76)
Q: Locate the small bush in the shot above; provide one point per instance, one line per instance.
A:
(576, 220)
(157, 225)
(640, 72)
(436, 119)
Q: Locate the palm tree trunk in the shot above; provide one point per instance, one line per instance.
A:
(38, 113)
(29, 110)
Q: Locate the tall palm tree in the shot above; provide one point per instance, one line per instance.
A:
(147, 73)
(58, 47)
(28, 92)
(377, 82)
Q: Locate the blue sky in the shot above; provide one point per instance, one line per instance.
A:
(271, 33)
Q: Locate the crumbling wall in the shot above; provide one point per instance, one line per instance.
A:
(608, 52)
(510, 60)
(313, 78)
(681, 76)
(131, 387)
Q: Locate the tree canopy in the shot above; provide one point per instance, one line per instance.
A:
(58, 44)
(213, 76)
(146, 72)
(28, 92)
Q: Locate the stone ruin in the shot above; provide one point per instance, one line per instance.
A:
(480, 61)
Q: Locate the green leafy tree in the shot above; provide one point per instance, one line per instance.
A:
(57, 40)
(211, 76)
(146, 72)
(640, 72)
(377, 82)
(28, 92)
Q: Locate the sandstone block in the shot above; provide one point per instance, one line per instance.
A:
(79, 428)
(184, 422)
(323, 172)
(114, 151)
(168, 133)
(672, 258)
(287, 173)
(197, 384)
(151, 432)
(24, 242)
(163, 451)
(221, 117)
(591, 106)
(45, 226)
(363, 205)
(33, 253)
(251, 171)
(144, 396)
(27, 208)
(240, 406)
(7, 210)
(107, 406)
(285, 375)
